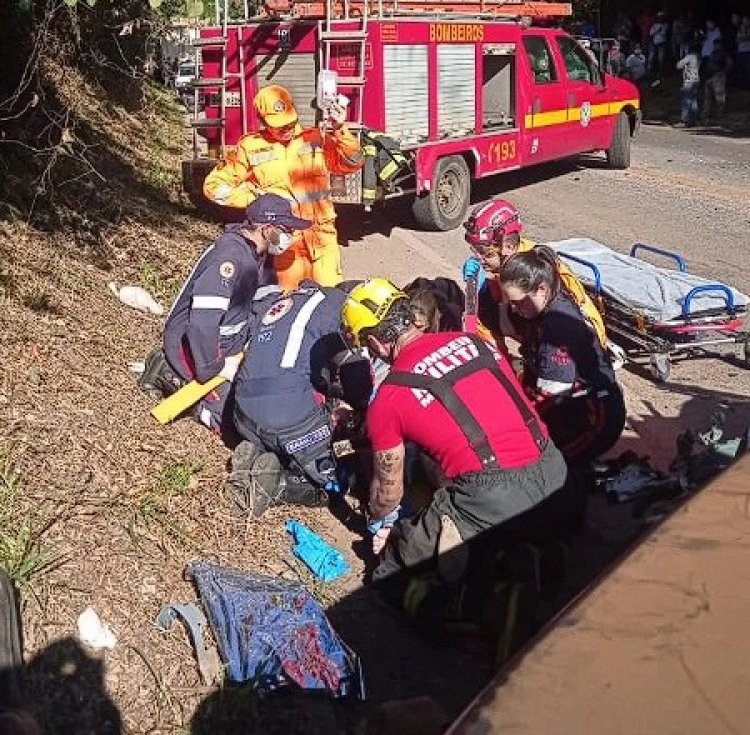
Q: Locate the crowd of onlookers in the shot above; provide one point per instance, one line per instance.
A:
(710, 56)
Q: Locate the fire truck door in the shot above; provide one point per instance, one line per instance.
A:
(545, 104)
(589, 122)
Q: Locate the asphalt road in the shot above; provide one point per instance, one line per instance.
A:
(686, 191)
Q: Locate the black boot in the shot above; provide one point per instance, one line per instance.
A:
(298, 490)
(158, 379)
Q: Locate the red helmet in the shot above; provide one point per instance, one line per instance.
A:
(489, 222)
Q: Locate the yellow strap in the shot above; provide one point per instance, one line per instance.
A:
(187, 396)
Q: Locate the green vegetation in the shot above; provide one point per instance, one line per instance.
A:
(152, 506)
(41, 302)
(22, 554)
(165, 118)
(157, 284)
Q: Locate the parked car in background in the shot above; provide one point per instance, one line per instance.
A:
(185, 76)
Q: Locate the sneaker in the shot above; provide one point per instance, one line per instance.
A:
(254, 486)
(243, 456)
(238, 488)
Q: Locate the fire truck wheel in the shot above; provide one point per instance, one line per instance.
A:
(445, 206)
(618, 154)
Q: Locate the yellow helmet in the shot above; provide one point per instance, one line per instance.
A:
(368, 305)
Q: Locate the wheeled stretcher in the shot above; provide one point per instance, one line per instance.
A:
(654, 312)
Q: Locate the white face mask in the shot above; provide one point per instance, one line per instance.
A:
(281, 245)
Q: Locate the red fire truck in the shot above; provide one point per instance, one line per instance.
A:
(462, 90)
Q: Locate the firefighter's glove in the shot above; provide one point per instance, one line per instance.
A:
(231, 365)
(473, 269)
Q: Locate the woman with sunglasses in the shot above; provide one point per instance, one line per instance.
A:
(494, 233)
(566, 370)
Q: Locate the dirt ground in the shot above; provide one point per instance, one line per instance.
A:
(119, 505)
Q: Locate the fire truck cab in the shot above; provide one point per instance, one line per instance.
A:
(449, 92)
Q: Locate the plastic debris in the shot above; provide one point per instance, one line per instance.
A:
(93, 632)
(209, 665)
(631, 481)
(137, 297)
(320, 557)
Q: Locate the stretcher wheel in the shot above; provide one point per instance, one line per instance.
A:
(661, 366)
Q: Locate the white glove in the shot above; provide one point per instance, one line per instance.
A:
(231, 365)
(379, 539)
(336, 116)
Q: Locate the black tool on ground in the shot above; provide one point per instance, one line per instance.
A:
(10, 645)
(15, 716)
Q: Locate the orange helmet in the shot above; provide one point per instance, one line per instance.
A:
(275, 106)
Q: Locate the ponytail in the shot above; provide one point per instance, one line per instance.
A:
(530, 269)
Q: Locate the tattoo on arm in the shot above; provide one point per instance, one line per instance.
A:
(388, 481)
(386, 463)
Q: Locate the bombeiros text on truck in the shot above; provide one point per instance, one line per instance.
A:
(440, 93)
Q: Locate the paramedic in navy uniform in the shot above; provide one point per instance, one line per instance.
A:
(208, 324)
(566, 371)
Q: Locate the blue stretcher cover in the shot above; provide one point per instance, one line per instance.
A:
(657, 293)
(273, 633)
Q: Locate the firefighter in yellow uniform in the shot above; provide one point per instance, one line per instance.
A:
(294, 162)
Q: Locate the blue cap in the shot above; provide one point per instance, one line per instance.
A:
(271, 209)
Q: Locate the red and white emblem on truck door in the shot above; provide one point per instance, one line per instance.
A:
(585, 113)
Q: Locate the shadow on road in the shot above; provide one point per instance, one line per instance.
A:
(354, 224)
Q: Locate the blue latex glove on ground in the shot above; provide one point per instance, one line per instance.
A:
(374, 526)
(473, 269)
(321, 558)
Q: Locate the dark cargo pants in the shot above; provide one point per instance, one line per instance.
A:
(477, 503)
(304, 447)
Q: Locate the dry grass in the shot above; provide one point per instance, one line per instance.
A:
(107, 507)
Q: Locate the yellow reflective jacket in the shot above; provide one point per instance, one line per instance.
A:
(574, 288)
(298, 170)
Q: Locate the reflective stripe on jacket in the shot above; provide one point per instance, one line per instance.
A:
(210, 317)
